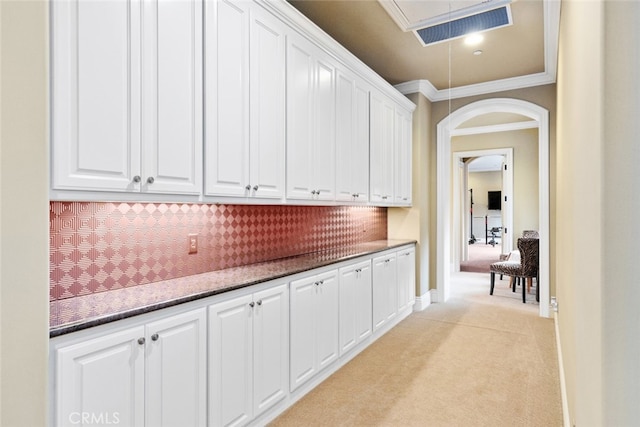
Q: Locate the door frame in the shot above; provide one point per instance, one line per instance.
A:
(461, 237)
(447, 128)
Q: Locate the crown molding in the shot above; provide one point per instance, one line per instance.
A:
(551, 31)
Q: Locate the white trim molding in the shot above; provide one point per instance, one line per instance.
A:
(443, 178)
(423, 301)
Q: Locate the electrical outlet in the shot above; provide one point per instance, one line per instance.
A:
(193, 243)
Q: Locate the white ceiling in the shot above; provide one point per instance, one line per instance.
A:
(486, 164)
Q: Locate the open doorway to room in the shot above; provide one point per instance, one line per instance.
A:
(472, 120)
(484, 215)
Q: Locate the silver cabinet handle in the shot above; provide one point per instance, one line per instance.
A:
(150, 180)
(155, 337)
(248, 187)
(318, 192)
(259, 302)
(313, 191)
(251, 304)
(141, 340)
(137, 178)
(255, 188)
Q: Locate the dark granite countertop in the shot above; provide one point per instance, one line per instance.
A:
(74, 314)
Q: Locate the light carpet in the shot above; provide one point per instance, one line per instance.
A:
(477, 360)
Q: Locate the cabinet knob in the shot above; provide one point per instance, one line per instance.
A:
(259, 302)
(150, 180)
(137, 178)
(313, 191)
(251, 304)
(248, 187)
(155, 337)
(255, 188)
(141, 340)
(318, 192)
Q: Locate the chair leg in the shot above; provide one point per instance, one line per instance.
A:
(524, 291)
(493, 282)
(537, 290)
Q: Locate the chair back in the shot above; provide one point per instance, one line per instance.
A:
(529, 248)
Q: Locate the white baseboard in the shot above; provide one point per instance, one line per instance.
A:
(422, 302)
(563, 386)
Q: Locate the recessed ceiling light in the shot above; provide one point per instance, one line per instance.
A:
(477, 52)
(473, 39)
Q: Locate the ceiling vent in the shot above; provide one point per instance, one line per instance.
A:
(496, 18)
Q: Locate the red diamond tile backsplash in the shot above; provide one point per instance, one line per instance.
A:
(95, 247)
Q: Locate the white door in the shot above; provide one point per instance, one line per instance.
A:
(363, 313)
(403, 150)
(406, 269)
(231, 362)
(352, 139)
(267, 132)
(303, 303)
(324, 157)
(382, 149)
(270, 347)
(327, 326)
(355, 305)
(345, 133)
(95, 95)
(176, 370)
(300, 118)
(227, 98)
(104, 377)
(172, 97)
(384, 285)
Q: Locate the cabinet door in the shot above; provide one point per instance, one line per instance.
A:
(104, 377)
(324, 157)
(172, 97)
(300, 117)
(355, 305)
(327, 318)
(403, 142)
(352, 139)
(270, 347)
(384, 290)
(267, 133)
(231, 362)
(176, 370)
(95, 95)
(363, 313)
(382, 147)
(227, 98)
(303, 335)
(406, 277)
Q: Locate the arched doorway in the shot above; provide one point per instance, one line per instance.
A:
(446, 128)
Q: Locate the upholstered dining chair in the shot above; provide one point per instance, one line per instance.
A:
(531, 233)
(526, 268)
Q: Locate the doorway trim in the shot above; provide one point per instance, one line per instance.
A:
(460, 237)
(445, 129)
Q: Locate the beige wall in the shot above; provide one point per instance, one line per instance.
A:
(24, 246)
(598, 176)
(525, 172)
(413, 223)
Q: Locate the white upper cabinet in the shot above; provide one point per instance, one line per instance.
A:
(245, 101)
(352, 138)
(403, 160)
(126, 94)
(311, 106)
(391, 148)
(382, 149)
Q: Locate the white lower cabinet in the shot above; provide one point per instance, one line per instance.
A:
(355, 305)
(385, 290)
(248, 355)
(406, 277)
(146, 375)
(314, 325)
